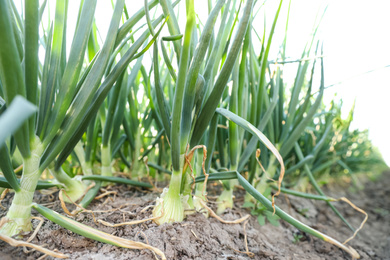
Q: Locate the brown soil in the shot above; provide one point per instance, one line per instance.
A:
(201, 238)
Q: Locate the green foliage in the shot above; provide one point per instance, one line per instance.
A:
(262, 213)
(144, 99)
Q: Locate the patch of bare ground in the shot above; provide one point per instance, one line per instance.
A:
(207, 238)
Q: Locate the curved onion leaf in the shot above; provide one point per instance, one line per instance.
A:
(279, 212)
(92, 233)
(317, 188)
(6, 167)
(91, 194)
(253, 130)
(218, 176)
(304, 195)
(42, 185)
(286, 217)
(117, 180)
(172, 37)
(10, 121)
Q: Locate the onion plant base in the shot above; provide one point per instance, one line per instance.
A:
(15, 226)
(74, 188)
(18, 218)
(170, 207)
(106, 161)
(172, 204)
(76, 192)
(225, 201)
(199, 199)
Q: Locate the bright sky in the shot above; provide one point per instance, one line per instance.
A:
(356, 40)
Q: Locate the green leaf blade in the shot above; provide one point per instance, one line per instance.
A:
(11, 73)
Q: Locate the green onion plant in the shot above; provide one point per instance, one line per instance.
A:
(67, 95)
(208, 105)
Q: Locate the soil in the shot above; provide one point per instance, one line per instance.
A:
(207, 238)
